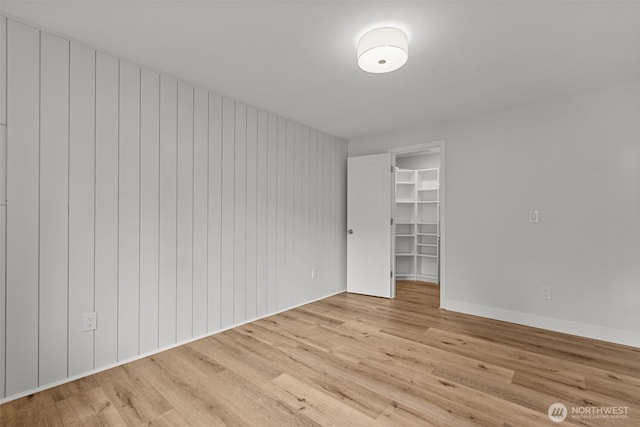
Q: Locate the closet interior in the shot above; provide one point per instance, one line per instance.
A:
(417, 217)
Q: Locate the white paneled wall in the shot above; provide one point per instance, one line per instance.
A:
(3, 194)
(54, 201)
(107, 206)
(82, 149)
(170, 211)
(23, 208)
(149, 209)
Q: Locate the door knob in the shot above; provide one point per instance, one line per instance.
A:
(349, 231)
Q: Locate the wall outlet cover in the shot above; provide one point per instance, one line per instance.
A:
(546, 293)
(89, 322)
(534, 216)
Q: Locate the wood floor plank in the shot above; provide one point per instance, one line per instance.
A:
(187, 395)
(173, 418)
(398, 414)
(617, 385)
(459, 399)
(315, 404)
(131, 393)
(77, 412)
(528, 398)
(354, 360)
(351, 393)
(74, 388)
(103, 408)
(518, 360)
(577, 396)
(224, 351)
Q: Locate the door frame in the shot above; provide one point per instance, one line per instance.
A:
(416, 149)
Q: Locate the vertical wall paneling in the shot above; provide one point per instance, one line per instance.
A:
(184, 293)
(290, 229)
(81, 204)
(149, 208)
(129, 211)
(22, 207)
(311, 227)
(3, 165)
(332, 215)
(261, 214)
(240, 214)
(3, 193)
(228, 204)
(251, 219)
(281, 224)
(305, 279)
(330, 211)
(326, 212)
(106, 210)
(168, 211)
(54, 196)
(328, 179)
(3, 141)
(341, 179)
(314, 291)
(3, 235)
(3, 71)
(3, 240)
(319, 160)
(215, 212)
(272, 212)
(200, 205)
(297, 282)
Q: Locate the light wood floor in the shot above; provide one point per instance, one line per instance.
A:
(352, 360)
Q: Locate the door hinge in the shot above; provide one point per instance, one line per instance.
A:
(391, 222)
(392, 168)
(392, 274)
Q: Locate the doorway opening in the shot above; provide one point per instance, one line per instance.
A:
(418, 201)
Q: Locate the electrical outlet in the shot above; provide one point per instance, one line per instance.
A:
(534, 216)
(546, 292)
(89, 322)
(314, 272)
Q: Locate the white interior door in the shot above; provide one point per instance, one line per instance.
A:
(369, 229)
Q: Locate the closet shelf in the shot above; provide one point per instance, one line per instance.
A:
(417, 223)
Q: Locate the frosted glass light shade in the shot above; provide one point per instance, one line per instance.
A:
(383, 50)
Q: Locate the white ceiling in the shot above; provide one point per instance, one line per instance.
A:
(297, 58)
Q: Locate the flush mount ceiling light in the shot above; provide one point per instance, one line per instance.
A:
(383, 50)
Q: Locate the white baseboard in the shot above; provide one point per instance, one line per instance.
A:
(602, 333)
(151, 353)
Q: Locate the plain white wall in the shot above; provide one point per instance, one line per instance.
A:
(577, 161)
(171, 211)
(420, 161)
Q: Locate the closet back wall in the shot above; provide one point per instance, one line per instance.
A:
(170, 211)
